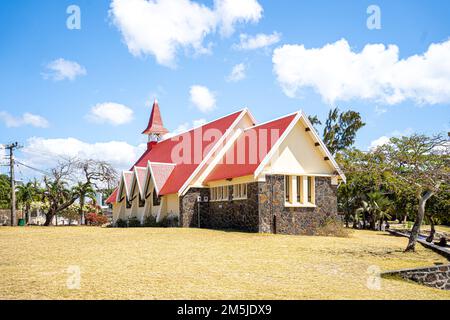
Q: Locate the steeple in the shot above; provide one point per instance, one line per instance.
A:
(155, 128)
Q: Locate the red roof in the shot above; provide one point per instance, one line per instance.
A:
(112, 198)
(141, 174)
(161, 173)
(187, 163)
(249, 150)
(155, 124)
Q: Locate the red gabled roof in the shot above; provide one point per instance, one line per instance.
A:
(249, 149)
(112, 198)
(185, 166)
(161, 173)
(141, 174)
(155, 123)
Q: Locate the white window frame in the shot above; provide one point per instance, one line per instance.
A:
(240, 191)
(294, 191)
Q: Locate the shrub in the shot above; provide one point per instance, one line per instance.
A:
(95, 219)
(170, 221)
(332, 227)
(150, 221)
(120, 223)
(133, 222)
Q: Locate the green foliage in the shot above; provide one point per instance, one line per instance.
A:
(133, 222)
(5, 192)
(120, 223)
(150, 221)
(340, 129)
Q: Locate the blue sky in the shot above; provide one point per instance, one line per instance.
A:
(42, 109)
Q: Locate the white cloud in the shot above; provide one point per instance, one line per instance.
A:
(376, 73)
(61, 69)
(237, 73)
(110, 112)
(385, 139)
(162, 27)
(261, 40)
(230, 12)
(202, 98)
(185, 127)
(44, 153)
(26, 119)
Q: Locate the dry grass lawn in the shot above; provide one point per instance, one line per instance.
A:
(146, 263)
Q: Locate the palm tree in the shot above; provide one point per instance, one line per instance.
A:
(26, 194)
(365, 210)
(84, 191)
(381, 207)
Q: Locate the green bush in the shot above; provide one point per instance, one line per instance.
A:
(150, 221)
(133, 222)
(120, 223)
(170, 221)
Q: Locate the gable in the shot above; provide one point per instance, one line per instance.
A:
(299, 154)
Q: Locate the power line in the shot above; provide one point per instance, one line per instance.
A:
(32, 168)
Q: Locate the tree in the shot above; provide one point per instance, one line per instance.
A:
(74, 179)
(26, 194)
(381, 206)
(5, 192)
(340, 129)
(94, 176)
(56, 192)
(421, 162)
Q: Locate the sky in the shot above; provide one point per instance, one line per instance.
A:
(78, 77)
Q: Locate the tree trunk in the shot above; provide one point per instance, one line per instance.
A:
(432, 231)
(81, 212)
(48, 219)
(381, 224)
(418, 223)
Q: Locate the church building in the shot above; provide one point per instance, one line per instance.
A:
(232, 173)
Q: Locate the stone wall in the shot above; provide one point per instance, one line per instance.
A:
(436, 276)
(274, 217)
(234, 214)
(189, 207)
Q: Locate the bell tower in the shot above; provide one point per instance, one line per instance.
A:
(155, 128)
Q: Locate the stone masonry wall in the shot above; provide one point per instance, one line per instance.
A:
(436, 276)
(274, 217)
(234, 214)
(189, 207)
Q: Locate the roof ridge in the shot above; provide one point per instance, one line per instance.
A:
(202, 125)
(273, 120)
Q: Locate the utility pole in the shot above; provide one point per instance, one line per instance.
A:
(11, 147)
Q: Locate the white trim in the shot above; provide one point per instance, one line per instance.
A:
(277, 144)
(122, 182)
(269, 121)
(152, 176)
(300, 115)
(324, 147)
(213, 150)
(137, 179)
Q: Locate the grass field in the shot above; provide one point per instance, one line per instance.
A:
(146, 263)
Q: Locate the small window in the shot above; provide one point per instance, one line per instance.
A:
(287, 189)
(310, 189)
(299, 188)
(128, 205)
(240, 191)
(156, 199)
